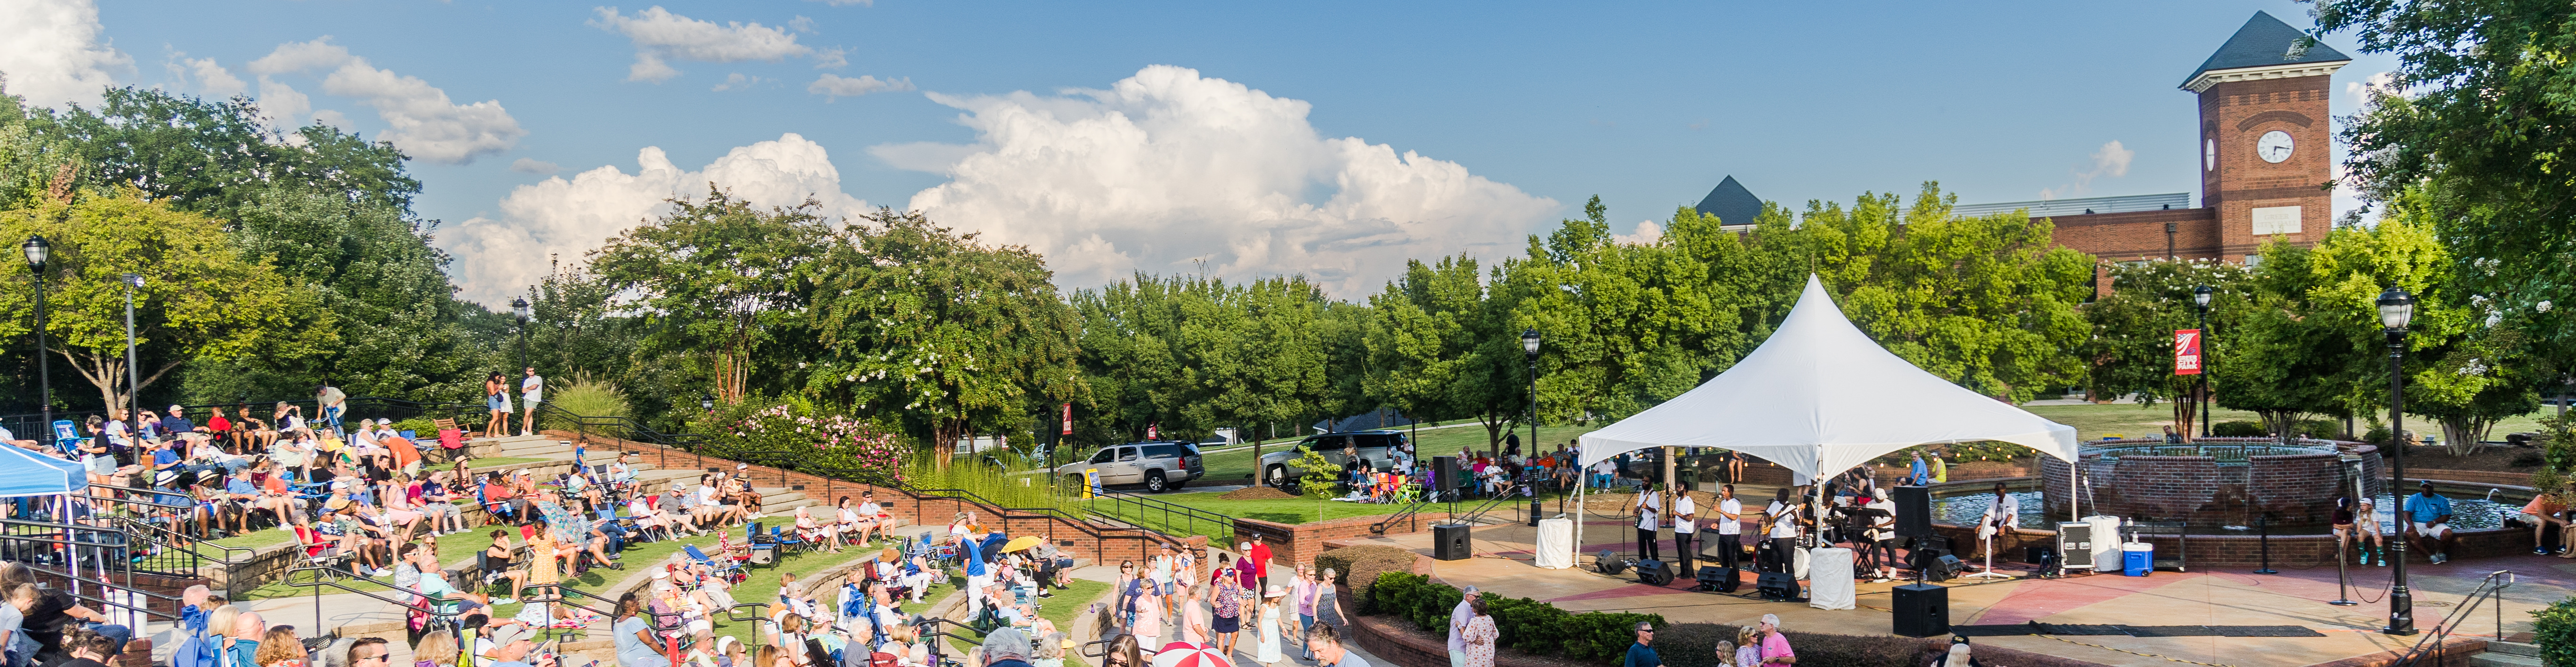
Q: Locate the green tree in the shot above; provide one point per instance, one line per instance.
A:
(201, 298)
(2478, 107)
(720, 277)
(2131, 349)
(939, 332)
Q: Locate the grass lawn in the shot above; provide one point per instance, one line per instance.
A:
(455, 548)
(763, 585)
(1290, 511)
(1059, 610)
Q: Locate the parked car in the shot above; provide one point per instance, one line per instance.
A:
(1160, 465)
(1379, 448)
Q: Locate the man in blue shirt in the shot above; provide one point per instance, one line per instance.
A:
(1642, 653)
(978, 576)
(175, 424)
(2429, 519)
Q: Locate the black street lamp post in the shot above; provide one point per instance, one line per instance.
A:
(38, 250)
(2396, 308)
(519, 309)
(2200, 299)
(133, 374)
(1529, 346)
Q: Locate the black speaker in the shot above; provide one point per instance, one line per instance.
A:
(1449, 542)
(1913, 511)
(1945, 568)
(2036, 555)
(1777, 586)
(1720, 579)
(1608, 563)
(1654, 573)
(1445, 476)
(1922, 610)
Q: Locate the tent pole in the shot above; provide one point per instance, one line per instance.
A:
(1583, 483)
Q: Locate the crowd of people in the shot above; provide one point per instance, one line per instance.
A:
(1184, 595)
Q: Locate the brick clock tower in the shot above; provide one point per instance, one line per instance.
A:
(2265, 137)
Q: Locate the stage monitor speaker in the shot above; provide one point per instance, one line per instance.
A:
(1913, 511)
(2075, 544)
(1608, 562)
(1720, 579)
(1449, 542)
(1945, 568)
(2034, 555)
(1445, 474)
(1922, 610)
(1654, 573)
(1777, 586)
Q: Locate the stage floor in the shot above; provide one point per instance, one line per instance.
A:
(2222, 598)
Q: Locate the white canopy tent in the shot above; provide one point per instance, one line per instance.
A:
(1819, 397)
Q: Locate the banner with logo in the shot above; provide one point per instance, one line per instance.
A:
(2186, 351)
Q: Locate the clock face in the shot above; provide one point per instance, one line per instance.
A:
(2208, 154)
(2273, 147)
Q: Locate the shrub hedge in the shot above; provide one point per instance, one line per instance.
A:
(1528, 626)
(2238, 429)
(2554, 629)
(1695, 645)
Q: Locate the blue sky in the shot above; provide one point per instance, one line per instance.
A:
(1277, 141)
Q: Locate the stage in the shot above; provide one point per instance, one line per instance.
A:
(2230, 597)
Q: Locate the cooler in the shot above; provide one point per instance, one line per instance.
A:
(2137, 559)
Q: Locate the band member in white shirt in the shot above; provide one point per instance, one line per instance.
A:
(1649, 518)
(2001, 517)
(1685, 529)
(1730, 527)
(1782, 518)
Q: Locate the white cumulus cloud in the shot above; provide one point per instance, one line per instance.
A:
(835, 86)
(538, 167)
(661, 36)
(499, 258)
(1648, 233)
(52, 52)
(212, 79)
(2111, 160)
(1168, 167)
(418, 117)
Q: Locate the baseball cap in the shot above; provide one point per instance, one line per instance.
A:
(514, 633)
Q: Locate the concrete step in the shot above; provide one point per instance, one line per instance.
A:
(2494, 659)
(2516, 648)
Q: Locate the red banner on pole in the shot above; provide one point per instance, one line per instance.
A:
(2186, 351)
(1068, 419)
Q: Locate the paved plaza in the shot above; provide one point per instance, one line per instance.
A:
(2293, 597)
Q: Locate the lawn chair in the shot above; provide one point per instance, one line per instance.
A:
(501, 512)
(1409, 493)
(722, 567)
(784, 539)
(318, 553)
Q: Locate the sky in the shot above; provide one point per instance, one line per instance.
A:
(1333, 140)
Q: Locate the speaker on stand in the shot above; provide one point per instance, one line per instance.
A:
(1913, 511)
(1449, 542)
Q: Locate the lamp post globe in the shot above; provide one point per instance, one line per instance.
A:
(2396, 310)
(2200, 296)
(707, 402)
(38, 250)
(1529, 342)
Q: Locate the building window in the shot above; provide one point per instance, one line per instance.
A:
(2252, 261)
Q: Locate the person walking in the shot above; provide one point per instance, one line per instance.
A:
(1266, 625)
(1642, 653)
(1482, 637)
(1730, 527)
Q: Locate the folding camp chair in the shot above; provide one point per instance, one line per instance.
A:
(722, 567)
(784, 539)
(315, 552)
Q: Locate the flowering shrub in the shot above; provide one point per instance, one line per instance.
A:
(812, 438)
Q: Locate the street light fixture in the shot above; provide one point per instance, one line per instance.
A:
(2396, 309)
(38, 250)
(1529, 347)
(708, 403)
(133, 375)
(2200, 299)
(528, 419)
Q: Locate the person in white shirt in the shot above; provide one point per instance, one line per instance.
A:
(1882, 536)
(1730, 527)
(531, 389)
(1685, 529)
(1601, 474)
(1649, 518)
(1782, 517)
(2001, 517)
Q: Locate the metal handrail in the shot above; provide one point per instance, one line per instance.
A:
(2490, 588)
(1167, 527)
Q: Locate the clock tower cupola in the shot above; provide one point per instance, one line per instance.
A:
(2265, 136)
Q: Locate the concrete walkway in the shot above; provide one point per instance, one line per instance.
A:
(2294, 597)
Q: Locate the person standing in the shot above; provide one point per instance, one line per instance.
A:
(332, 403)
(496, 404)
(1266, 623)
(1685, 530)
(531, 390)
(1482, 636)
(1730, 527)
(1782, 517)
(1458, 618)
(1259, 557)
(1775, 647)
(1642, 653)
(1882, 535)
(1305, 593)
(1649, 518)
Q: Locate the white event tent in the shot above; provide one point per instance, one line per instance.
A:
(1819, 397)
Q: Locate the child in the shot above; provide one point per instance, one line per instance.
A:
(21, 648)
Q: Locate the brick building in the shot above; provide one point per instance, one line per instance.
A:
(2265, 160)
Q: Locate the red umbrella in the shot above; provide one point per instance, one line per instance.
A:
(1185, 654)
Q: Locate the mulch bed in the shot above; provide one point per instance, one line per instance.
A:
(1256, 493)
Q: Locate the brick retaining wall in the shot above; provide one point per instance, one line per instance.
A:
(1298, 543)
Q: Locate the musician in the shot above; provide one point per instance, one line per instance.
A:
(1685, 529)
(1649, 509)
(2001, 517)
(1881, 544)
(1781, 519)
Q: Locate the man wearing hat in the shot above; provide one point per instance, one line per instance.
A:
(1642, 653)
(1006, 647)
(511, 645)
(1458, 619)
(1775, 646)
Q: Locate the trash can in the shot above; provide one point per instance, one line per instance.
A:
(2137, 559)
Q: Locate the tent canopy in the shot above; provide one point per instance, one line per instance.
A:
(26, 473)
(1820, 397)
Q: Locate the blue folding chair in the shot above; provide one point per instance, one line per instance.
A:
(723, 567)
(785, 539)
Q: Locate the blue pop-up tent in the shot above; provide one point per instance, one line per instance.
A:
(26, 473)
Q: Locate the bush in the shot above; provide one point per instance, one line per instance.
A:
(2554, 629)
(1695, 644)
(584, 397)
(420, 426)
(1527, 625)
(2321, 428)
(1359, 567)
(2238, 429)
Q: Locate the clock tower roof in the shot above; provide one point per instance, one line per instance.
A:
(1731, 203)
(2265, 48)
